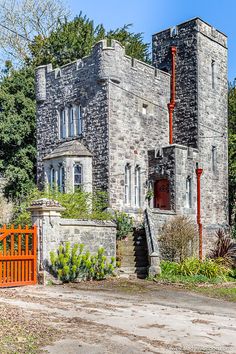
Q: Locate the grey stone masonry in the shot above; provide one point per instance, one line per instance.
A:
(122, 106)
(200, 115)
(54, 230)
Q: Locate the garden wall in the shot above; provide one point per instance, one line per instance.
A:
(54, 230)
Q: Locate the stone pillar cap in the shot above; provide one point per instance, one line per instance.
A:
(45, 203)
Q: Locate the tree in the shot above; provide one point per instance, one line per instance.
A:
(74, 39)
(69, 41)
(17, 131)
(27, 19)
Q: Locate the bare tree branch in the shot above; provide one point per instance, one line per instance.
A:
(27, 19)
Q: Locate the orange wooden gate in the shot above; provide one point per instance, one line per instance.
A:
(18, 256)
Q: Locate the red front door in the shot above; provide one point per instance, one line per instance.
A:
(161, 194)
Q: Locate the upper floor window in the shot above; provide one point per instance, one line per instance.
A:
(63, 124)
(188, 200)
(79, 121)
(137, 187)
(77, 176)
(214, 158)
(213, 73)
(128, 184)
(71, 121)
(61, 179)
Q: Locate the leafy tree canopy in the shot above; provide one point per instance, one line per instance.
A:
(71, 40)
(74, 40)
(17, 131)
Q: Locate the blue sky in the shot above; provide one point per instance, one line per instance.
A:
(150, 16)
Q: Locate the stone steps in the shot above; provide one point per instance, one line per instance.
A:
(133, 256)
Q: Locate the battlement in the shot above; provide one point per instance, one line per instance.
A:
(198, 25)
(107, 59)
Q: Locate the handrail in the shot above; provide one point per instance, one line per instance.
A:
(153, 251)
(151, 240)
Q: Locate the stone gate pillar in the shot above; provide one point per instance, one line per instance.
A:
(46, 214)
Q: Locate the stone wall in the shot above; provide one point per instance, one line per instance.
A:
(138, 122)
(54, 230)
(112, 89)
(76, 83)
(185, 123)
(200, 115)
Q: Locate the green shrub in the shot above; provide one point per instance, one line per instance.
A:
(178, 239)
(124, 224)
(193, 267)
(224, 249)
(78, 205)
(69, 264)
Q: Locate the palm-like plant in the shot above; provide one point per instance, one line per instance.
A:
(224, 249)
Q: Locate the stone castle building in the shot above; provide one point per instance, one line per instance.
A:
(148, 135)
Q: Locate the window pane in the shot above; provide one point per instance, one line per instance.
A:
(128, 185)
(77, 175)
(79, 120)
(71, 121)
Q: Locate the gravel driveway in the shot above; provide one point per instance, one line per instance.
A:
(130, 318)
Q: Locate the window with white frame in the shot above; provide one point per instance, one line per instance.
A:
(63, 124)
(137, 186)
(79, 120)
(52, 178)
(71, 121)
(128, 184)
(77, 176)
(188, 200)
(61, 179)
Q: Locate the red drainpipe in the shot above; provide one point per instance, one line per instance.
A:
(171, 105)
(198, 173)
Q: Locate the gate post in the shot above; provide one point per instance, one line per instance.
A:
(46, 215)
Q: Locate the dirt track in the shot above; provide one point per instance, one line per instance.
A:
(128, 319)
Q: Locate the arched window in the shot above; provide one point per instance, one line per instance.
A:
(128, 184)
(137, 187)
(52, 178)
(188, 200)
(61, 179)
(79, 120)
(71, 121)
(62, 123)
(77, 176)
